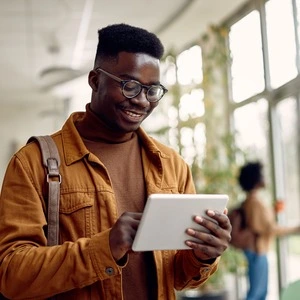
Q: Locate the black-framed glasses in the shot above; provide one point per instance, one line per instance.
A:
(132, 88)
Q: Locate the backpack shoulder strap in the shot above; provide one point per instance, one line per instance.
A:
(51, 162)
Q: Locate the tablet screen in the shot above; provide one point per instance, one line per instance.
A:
(167, 216)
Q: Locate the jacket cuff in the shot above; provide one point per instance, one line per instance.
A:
(203, 269)
(104, 264)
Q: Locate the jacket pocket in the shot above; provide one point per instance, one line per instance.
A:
(75, 216)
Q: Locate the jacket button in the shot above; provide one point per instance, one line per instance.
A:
(109, 271)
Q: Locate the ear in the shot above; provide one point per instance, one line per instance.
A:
(93, 80)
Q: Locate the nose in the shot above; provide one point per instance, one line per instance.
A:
(141, 99)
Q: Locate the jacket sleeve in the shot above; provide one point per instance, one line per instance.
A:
(190, 272)
(263, 222)
(28, 268)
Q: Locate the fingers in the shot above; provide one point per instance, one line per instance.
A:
(207, 246)
(221, 218)
(123, 233)
(130, 220)
(212, 237)
(206, 252)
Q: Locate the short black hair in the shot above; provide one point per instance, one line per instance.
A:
(250, 175)
(122, 37)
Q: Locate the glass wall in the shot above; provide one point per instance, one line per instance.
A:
(289, 134)
(247, 59)
(265, 104)
(183, 105)
(281, 41)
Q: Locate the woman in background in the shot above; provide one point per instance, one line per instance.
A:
(261, 220)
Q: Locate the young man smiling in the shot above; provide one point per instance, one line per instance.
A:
(109, 166)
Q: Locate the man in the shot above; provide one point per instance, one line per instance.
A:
(109, 167)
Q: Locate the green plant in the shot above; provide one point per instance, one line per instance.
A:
(217, 172)
(215, 168)
(216, 176)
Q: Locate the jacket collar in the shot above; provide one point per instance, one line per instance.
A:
(74, 148)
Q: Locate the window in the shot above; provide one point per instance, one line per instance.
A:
(286, 112)
(175, 120)
(281, 41)
(278, 109)
(287, 115)
(189, 64)
(247, 60)
(250, 122)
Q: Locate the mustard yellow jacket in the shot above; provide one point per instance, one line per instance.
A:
(82, 266)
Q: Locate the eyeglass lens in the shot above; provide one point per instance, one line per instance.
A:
(133, 88)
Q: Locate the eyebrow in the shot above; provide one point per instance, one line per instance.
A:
(130, 77)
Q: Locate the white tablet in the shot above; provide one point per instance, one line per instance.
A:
(167, 216)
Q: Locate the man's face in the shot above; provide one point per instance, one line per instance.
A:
(118, 112)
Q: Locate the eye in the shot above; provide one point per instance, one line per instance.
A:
(132, 86)
(155, 91)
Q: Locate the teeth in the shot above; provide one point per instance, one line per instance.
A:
(132, 114)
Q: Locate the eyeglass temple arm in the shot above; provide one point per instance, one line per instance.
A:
(110, 75)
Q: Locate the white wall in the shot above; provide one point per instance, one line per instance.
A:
(20, 122)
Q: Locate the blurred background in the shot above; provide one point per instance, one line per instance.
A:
(232, 70)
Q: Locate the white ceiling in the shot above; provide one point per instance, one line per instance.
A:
(36, 35)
